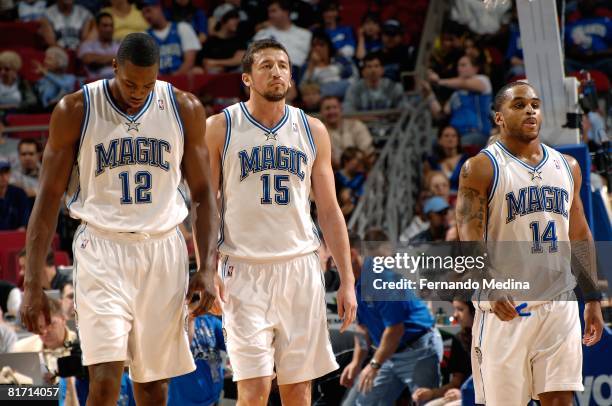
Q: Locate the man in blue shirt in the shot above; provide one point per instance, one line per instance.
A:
(14, 205)
(400, 327)
(203, 386)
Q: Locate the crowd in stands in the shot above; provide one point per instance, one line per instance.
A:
(342, 71)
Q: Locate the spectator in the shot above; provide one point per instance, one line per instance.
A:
(55, 82)
(344, 132)
(373, 91)
(341, 35)
(395, 56)
(368, 36)
(447, 156)
(66, 24)
(184, 10)
(419, 221)
(7, 335)
(67, 300)
(351, 174)
(14, 205)
(408, 347)
(15, 93)
(54, 279)
(178, 42)
(31, 10)
(347, 202)
(223, 51)
(333, 73)
(227, 5)
(436, 209)
(470, 104)
(296, 40)
(514, 51)
(8, 148)
(127, 18)
(589, 40)
(459, 362)
(26, 172)
(311, 97)
(437, 184)
(10, 300)
(204, 385)
(97, 55)
(52, 343)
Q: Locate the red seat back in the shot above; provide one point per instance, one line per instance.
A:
(21, 34)
(29, 119)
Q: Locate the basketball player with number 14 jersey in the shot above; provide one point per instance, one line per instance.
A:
(522, 198)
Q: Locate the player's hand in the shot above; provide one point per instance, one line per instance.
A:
(366, 379)
(504, 308)
(593, 323)
(34, 309)
(347, 305)
(347, 379)
(208, 286)
(452, 394)
(422, 395)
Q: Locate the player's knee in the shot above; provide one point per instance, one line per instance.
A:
(253, 392)
(152, 393)
(103, 389)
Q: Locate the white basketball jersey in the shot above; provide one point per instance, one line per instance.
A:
(127, 176)
(265, 213)
(529, 206)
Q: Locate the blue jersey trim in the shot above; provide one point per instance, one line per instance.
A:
(109, 98)
(526, 165)
(228, 134)
(179, 120)
(308, 132)
(86, 110)
(222, 226)
(569, 170)
(256, 123)
(484, 314)
(495, 173)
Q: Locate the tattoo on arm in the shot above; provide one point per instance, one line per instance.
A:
(471, 207)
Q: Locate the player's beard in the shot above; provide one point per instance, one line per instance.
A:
(275, 96)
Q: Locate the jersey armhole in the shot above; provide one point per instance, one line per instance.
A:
(495, 174)
(569, 170)
(228, 134)
(85, 119)
(175, 109)
(308, 133)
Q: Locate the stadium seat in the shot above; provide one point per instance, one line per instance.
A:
(602, 82)
(11, 242)
(222, 85)
(21, 34)
(62, 258)
(28, 119)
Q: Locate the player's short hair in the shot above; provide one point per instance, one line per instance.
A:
(502, 94)
(49, 259)
(101, 15)
(138, 48)
(256, 46)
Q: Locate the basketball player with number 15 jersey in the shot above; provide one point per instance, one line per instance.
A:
(521, 196)
(266, 157)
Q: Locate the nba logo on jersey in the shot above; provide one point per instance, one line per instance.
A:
(295, 127)
(557, 164)
(160, 103)
(230, 271)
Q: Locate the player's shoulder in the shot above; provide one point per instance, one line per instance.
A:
(478, 169)
(574, 166)
(316, 125)
(72, 105)
(186, 101)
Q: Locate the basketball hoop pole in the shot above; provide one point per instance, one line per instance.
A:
(544, 66)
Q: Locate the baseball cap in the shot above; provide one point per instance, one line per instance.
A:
(392, 27)
(5, 165)
(435, 204)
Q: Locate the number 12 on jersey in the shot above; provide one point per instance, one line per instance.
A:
(282, 190)
(142, 179)
(549, 235)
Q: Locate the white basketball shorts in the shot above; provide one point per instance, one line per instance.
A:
(514, 361)
(130, 301)
(274, 318)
